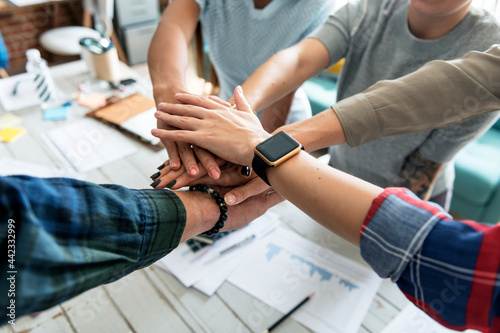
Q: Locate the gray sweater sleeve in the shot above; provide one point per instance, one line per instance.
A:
(438, 94)
(336, 32)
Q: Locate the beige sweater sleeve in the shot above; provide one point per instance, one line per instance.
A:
(438, 94)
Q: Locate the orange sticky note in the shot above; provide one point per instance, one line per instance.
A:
(11, 134)
(92, 101)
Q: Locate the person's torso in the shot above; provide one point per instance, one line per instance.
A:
(383, 48)
(241, 38)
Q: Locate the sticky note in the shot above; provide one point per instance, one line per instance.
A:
(9, 120)
(55, 113)
(92, 101)
(10, 134)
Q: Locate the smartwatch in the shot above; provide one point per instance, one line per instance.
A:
(274, 151)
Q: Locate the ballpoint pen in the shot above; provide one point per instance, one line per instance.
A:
(232, 247)
(237, 245)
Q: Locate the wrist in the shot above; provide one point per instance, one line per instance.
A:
(274, 151)
(253, 142)
(201, 213)
(165, 93)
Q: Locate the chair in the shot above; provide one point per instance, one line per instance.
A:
(476, 194)
(4, 58)
(65, 40)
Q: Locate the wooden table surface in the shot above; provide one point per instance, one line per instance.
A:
(151, 300)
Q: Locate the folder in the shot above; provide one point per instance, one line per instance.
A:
(132, 115)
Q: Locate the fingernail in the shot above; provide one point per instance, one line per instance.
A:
(178, 95)
(245, 171)
(214, 174)
(157, 114)
(175, 165)
(156, 175)
(230, 199)
(161, 105)
(161, 166)
(154, 131)
(193, 171)
(155, 183)
(172, 184)
(239, 89)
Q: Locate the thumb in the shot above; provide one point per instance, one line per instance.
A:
(241, 193)
(240, 101)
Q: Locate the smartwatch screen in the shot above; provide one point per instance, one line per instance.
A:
(277, 146)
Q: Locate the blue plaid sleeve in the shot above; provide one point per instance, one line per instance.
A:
(449, 269)
(71, 236)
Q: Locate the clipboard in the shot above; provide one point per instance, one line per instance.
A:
(133, 116)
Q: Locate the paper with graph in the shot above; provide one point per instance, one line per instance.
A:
(285, 267)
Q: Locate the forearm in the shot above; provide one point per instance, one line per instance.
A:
(334, 199)
(277, 113)
(167, 62)
(71, 236)
(438, 94)
(320, 131)
(285, 72)
(168, 52)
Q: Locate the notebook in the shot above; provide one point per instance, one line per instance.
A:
(133, 115)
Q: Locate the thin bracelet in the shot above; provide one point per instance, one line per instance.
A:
(233, 106)
(220, 203)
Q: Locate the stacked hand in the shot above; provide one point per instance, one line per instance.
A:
(183, 154)
(212, 124)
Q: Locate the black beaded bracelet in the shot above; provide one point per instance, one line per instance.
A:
(220, 202)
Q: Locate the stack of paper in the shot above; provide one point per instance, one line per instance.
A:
(9, 167)
(208, 268)
(412, 319)
(87, 144)
(284, 267)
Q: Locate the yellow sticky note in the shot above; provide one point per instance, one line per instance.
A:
(11, 134)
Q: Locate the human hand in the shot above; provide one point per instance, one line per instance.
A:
(250, 209)
(182, 154)
(209, 124)
(202, 212)
(175, 179)
(231, 175)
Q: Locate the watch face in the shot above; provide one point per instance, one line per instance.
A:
(277, 146)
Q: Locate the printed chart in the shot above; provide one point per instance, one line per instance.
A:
(286, 267)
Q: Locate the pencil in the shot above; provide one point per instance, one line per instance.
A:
(288, 314)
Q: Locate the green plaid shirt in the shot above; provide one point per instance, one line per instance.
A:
(61, 237)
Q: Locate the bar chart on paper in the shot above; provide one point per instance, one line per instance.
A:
(286, 267)
(274, 250)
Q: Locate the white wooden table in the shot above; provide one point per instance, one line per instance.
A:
(151, 300)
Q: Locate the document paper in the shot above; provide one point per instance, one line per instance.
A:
(206, 269)
(285, 267)
(87, 144)
(413, 320)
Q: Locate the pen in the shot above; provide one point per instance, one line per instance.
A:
(288, 314)
(237, 245)
(230, 248)
(203, 239)
(14, 91)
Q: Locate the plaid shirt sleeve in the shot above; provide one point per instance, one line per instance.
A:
(70, 236)
(449, 269)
